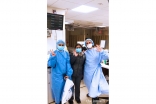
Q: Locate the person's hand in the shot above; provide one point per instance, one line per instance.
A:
(75, 54)
(65, 77)
(98, 48)
(52, 53)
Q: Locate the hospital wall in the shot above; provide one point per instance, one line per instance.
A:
(79, 35)
(56, 34)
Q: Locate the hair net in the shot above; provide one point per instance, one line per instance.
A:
(89, 40)
(60, 42)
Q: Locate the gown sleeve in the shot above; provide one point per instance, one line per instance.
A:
(52, 61)
(104, 55)
(69, 68)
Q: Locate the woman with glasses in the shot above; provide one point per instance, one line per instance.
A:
(59, 61)
(77, 59)
(93, 75)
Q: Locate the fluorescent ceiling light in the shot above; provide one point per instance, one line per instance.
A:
(101, 26)
(84, 9)
(67, 23)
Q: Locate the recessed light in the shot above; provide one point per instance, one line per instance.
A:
(84, 9)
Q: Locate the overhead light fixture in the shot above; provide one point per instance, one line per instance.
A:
(84, 9)
(67, 23)
(101, 26)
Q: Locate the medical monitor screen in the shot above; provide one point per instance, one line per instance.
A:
(54, 21)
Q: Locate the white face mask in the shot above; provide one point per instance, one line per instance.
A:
(89, 45)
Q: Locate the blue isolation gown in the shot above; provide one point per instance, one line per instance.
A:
(60, 66)
(93, 75)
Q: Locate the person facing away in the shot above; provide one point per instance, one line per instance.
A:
(77, 59)
(93, 75)
(59, 61)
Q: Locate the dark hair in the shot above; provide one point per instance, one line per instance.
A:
(78, 45)
(84, 48)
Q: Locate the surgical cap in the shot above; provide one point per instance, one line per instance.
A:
(60, 42)
(89, 40)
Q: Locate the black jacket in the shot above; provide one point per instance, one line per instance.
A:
(77, 64)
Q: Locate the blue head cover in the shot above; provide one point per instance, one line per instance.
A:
(60, 42)
(60, 47)
(89, 40)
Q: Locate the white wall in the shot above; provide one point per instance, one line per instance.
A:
(56, 34)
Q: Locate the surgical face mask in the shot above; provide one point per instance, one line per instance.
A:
(60, 48)
(78, 50)
(89, 45)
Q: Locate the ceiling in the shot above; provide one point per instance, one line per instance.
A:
(93, 19)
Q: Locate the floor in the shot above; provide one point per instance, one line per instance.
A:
(87, 100)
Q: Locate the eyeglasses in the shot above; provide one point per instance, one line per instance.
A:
(61, 45)
(88, 42)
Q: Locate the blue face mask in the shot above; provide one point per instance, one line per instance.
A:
(60, 48)
(78, 50)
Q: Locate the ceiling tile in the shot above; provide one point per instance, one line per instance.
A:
(98, 17)
(81, 17)
(70, 14)
(73, 14)
(50, 2)
(100, 13)
(81, 2)
(64, 5)
(96, 3)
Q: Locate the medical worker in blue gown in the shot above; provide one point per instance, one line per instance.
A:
(93, 75)
(59, 61)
